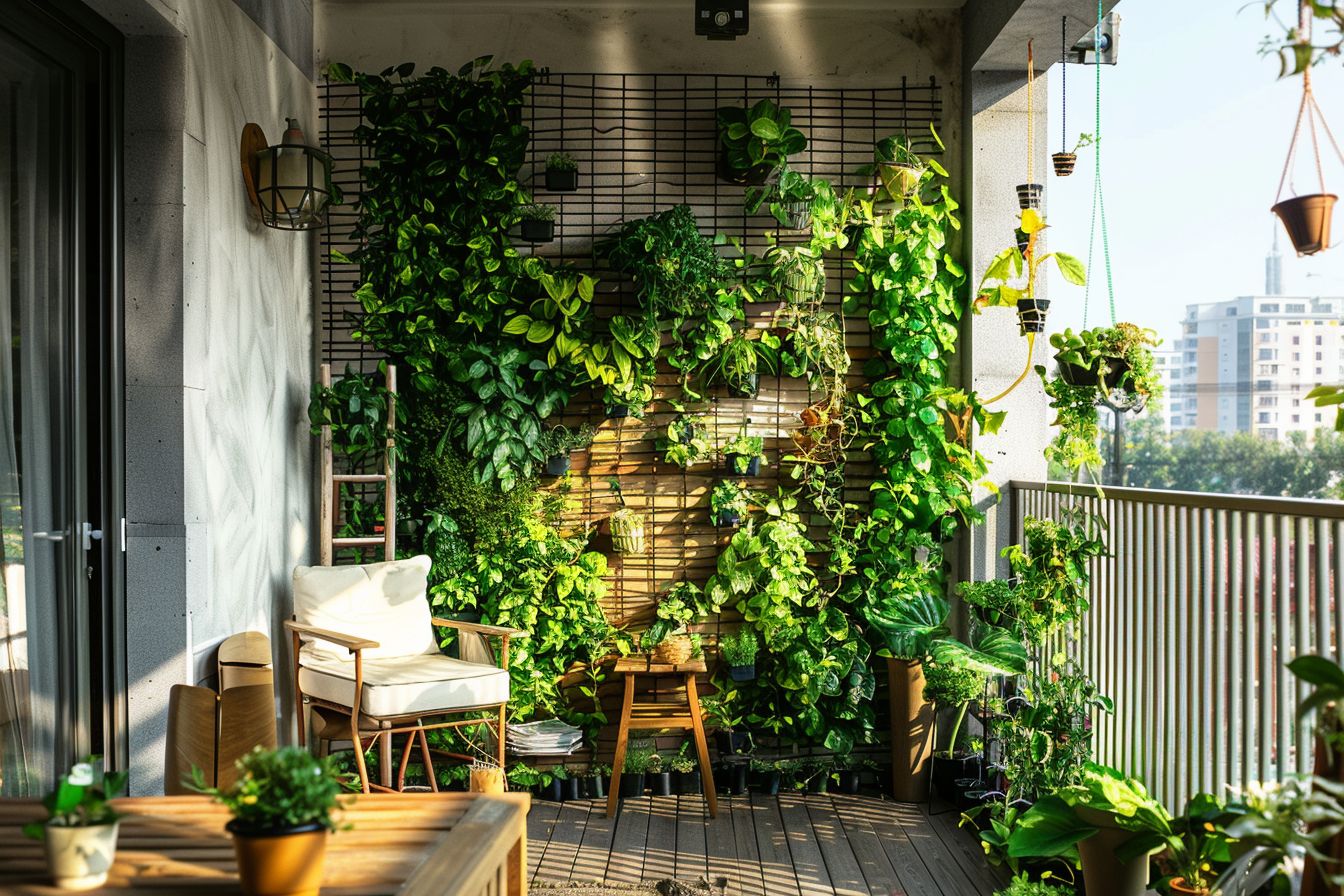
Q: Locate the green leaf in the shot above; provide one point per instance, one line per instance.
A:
(1049, 828)
(765, 129)
(1071, 268)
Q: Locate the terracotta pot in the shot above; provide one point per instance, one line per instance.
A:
(1064, 162)
(1029, 195)
(911, 731)
(287, 863)
(1031, 314)
(79, 858)
(1178, 885)
(1103, 873)
(1307, 220)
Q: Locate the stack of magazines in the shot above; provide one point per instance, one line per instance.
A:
(550, 737)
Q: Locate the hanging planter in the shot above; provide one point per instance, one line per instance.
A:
(1029, 195)
(1307, 217)
(562, 173)
(1064, 162)
(1031, 315)
(798, 215)
(627, 531)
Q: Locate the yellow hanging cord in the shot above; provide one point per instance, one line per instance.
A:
(1031, 345)
(1031, 118)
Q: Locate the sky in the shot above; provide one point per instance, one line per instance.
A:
(1195, 126)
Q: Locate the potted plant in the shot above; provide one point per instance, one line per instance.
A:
(685, 442)
(730, 739)
(627, 525)
(571, 785)
(666, 640)
(632, 771)
(597, 780)
(743, 455)
(79, 837)
(739, 650)
(537, 223)
(1003, 284)
(281, 803)
(562, 173)
(729, 502)
(552, 785)
(1094, 366)
(950, 687)
(789, 199)
(818, 772)
(1064, 161)
(766, 775)
(686, 771)
(849, 772)
(756, 142)
(797, 276)
(1275, 824)
(559, 444)
(740, 361)
(1029, 196)
(659, 776)
(1023, 885)
(634, 349)
(897, 168)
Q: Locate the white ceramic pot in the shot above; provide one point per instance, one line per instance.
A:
(79, 858)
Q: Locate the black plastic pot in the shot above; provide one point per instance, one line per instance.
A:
(618, 411)
(948, 769)
(848, 781)
(632, 785)
(1031, 314)
(1029, 195)
(553, 791)
(733, 742)
(819, 783)
(557, 465)
(558, 181)
(765, 782)
(660, 783)
(745, 386)
(688, 783)
(572, 788)
(537, 231)
(737, 778)
(1023, 238)
(1075, 375)
(742, 673)
(727, 518)
(753, 465)
(594, 786)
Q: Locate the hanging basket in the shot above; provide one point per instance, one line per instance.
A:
(1064, 162)
(1029, 195)
(1307, 220)
(627, 532)
(898, 180)
(1031, 314)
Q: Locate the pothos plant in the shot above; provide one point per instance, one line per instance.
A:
(813, 681)
(443, 292)
(1012, 275)
(356, 409)
(685, 441)
(910, 418)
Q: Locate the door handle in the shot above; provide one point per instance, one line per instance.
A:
(50, 536)
(90, 535)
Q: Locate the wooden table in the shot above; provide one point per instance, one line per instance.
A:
(446, 844)
(652, 716)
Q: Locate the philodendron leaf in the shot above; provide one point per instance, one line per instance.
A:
(1049, 828)
(991, 650)
(1071, 268)
(911, 624)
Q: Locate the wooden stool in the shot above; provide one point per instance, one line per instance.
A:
(661, 717)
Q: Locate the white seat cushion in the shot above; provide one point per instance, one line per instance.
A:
(409, 685)
(384, 602)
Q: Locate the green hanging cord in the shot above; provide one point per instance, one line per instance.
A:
(1098, 204)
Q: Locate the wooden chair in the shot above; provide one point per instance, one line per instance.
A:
(365, 647)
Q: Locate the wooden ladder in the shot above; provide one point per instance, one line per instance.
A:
(332, 482)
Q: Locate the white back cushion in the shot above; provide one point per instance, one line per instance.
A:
(384, 602)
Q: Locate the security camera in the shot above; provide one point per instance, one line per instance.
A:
(721, 19)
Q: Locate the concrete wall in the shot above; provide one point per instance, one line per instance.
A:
(218, 347)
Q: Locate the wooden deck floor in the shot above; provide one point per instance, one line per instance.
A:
(790, 845)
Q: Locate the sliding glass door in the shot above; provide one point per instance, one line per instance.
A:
(55, 607)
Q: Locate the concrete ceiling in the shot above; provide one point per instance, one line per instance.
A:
(997, 31)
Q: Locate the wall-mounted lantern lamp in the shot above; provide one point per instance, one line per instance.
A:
(289, 184)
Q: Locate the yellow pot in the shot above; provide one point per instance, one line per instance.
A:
(281, 864)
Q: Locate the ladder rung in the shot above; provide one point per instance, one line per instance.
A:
(367, 542)
(359, 477)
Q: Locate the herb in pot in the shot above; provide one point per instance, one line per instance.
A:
(562, 173)
(537, 223)
(80, 835)
(739, 650)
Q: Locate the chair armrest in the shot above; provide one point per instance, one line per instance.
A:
(349, 642)
(492, 631)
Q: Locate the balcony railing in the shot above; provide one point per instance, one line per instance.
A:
(1200, 603)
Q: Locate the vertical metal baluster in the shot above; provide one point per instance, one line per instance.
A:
(1268, 680)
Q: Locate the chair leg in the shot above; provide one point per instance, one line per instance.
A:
(385, 760)
(501, 734)
(405, 760)
(701, 746)
(359, 752)
(429, 763)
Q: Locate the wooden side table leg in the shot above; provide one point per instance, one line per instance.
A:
(622, 737)
(701, 747)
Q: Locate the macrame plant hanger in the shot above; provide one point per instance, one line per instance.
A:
(1307, 217)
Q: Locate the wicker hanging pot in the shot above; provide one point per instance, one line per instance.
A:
(1306, 217)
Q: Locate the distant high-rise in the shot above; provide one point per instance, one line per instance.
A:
(1274, 269)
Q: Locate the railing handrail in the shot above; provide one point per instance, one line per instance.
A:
(1309, 507)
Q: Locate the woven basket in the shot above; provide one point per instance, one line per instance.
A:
(627, 532)
(673, 649)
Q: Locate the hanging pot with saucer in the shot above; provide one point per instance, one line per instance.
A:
(1307, 217)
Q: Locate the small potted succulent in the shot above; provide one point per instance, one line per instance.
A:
(282, 804)
(743, 455)
(1004, 284)
(685, 442)
(636, 763)
(755, 143)
(627, 525)
(728, 503)
(1064, 161)
(739, 651)
(741, 360)
(80, 835)
(537, 223)
(562, 173)
(559, 444)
